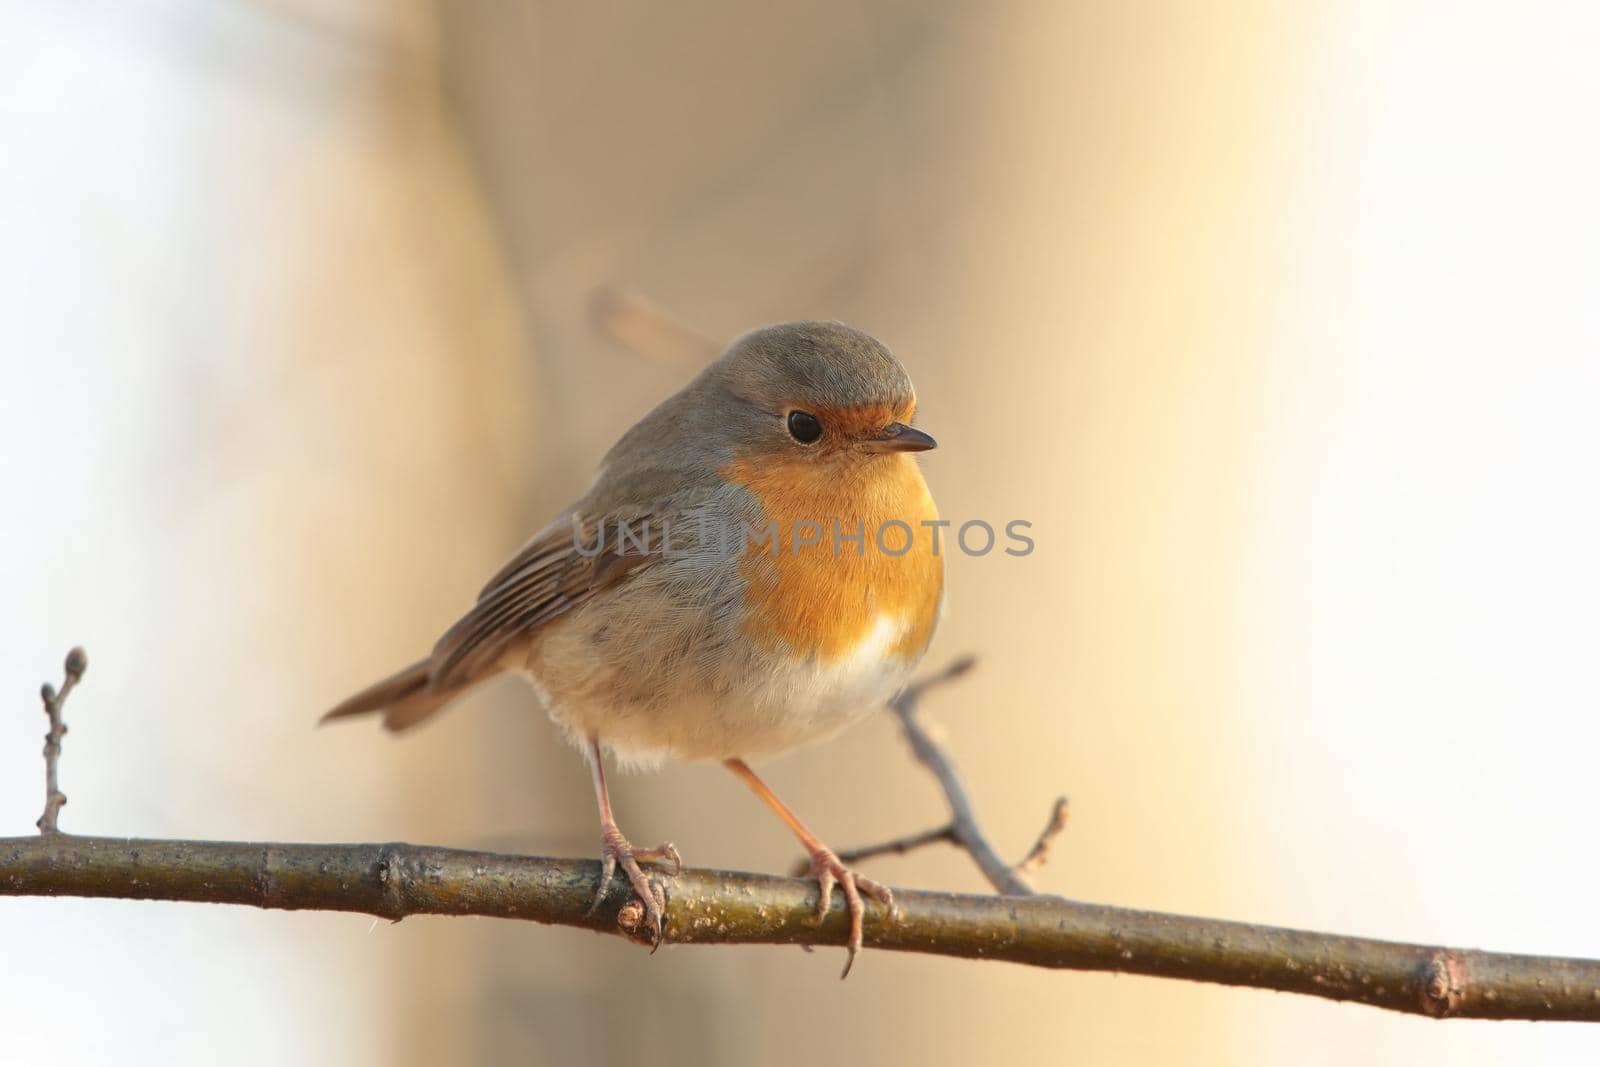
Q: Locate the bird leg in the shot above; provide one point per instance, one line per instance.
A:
(825, 865)
(615, 850)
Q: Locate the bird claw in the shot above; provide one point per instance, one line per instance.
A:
(830, 872)
(615, 851)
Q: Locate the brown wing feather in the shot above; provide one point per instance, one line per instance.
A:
(547, 578)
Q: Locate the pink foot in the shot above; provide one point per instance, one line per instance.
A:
(829, 871)
(614, 851)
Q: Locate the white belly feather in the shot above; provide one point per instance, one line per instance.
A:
(760, 706)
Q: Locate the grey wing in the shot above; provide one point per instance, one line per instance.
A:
(547, 578)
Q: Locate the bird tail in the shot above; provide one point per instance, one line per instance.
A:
(405, 698)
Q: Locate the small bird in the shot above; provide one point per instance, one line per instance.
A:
(746, 574)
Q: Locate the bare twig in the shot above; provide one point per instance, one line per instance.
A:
(718, 907)
(964, 828)
(1040, 852)
(54, 798)
(897, 846)
(639, 324)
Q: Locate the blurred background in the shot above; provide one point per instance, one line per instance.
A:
(1278, 321)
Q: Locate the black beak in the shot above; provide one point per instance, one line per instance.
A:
(898, 437)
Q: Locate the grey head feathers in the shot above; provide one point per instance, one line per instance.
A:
(812, 365)
(738, 403)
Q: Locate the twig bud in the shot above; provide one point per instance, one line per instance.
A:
(77, 663)
(961, 666)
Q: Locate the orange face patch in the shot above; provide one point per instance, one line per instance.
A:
(823, 599)
(843, 425)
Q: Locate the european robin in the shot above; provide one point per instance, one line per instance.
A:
(746, 574)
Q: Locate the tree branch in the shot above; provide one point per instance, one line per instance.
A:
(637, 323)
(719, 907)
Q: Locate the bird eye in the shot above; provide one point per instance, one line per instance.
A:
(804, 427)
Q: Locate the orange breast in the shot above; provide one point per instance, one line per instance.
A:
(824, 599)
